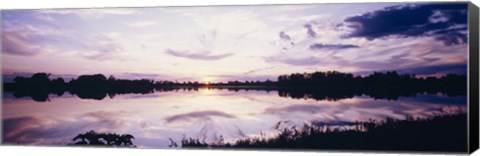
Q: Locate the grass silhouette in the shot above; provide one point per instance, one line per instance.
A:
(442, 132)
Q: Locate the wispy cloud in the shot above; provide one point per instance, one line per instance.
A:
(108, 119)
(18, 43)
(26, 41)
(302, 61)
(32, 37)
(206, 56)
(318, 46)
(295, 19)
(91, 14)
(46, 131)
(105, 47)
(301, 108)
(253, 71)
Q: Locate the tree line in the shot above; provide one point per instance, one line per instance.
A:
(390, 79)
(97, 86)
(330, 85)
(379, 85)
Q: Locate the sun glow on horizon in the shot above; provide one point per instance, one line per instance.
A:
(207, 80)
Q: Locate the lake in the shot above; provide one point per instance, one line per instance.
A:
(204, 113)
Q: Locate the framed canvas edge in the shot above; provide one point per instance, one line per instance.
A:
(473, 78)
(472, 81)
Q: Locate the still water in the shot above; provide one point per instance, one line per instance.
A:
(207, 113)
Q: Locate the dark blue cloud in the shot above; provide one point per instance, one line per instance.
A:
(318, 46)
(284, 36)
(460, 69)
(446, 22)
(197, 56)
(310, 31)
(286, 40)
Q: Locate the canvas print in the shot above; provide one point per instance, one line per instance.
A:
(354, 76)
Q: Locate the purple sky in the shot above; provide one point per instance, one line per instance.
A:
(236, 42)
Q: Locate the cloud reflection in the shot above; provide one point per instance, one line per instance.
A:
(201, 115)
(59, 130)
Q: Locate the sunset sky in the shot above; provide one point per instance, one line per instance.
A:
(225, 43)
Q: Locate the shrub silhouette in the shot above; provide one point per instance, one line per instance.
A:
(92, 138)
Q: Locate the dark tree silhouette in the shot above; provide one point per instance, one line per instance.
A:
(92, 138)
(330, 85)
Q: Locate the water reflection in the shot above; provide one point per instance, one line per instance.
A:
(296, 93)
(202, 113)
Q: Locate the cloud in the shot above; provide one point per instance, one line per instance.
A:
(91, 14)
(13, 42)
(130, 75)
(460, 69)
(197, 56)
(112, 120)
(359, 54)
(445, 22)
(295, 7)
(10, 124)
(203, 115)
(105, 47)
(310, 31)
(229, 22)
(36, 130)
(25, 41)
(59, 130)
(141, 24)
(298, 61)
(294, 19)
(26, 35)
(318, 46)
(284, 36)
(285, 40)
(301, 108)
(257, 70)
